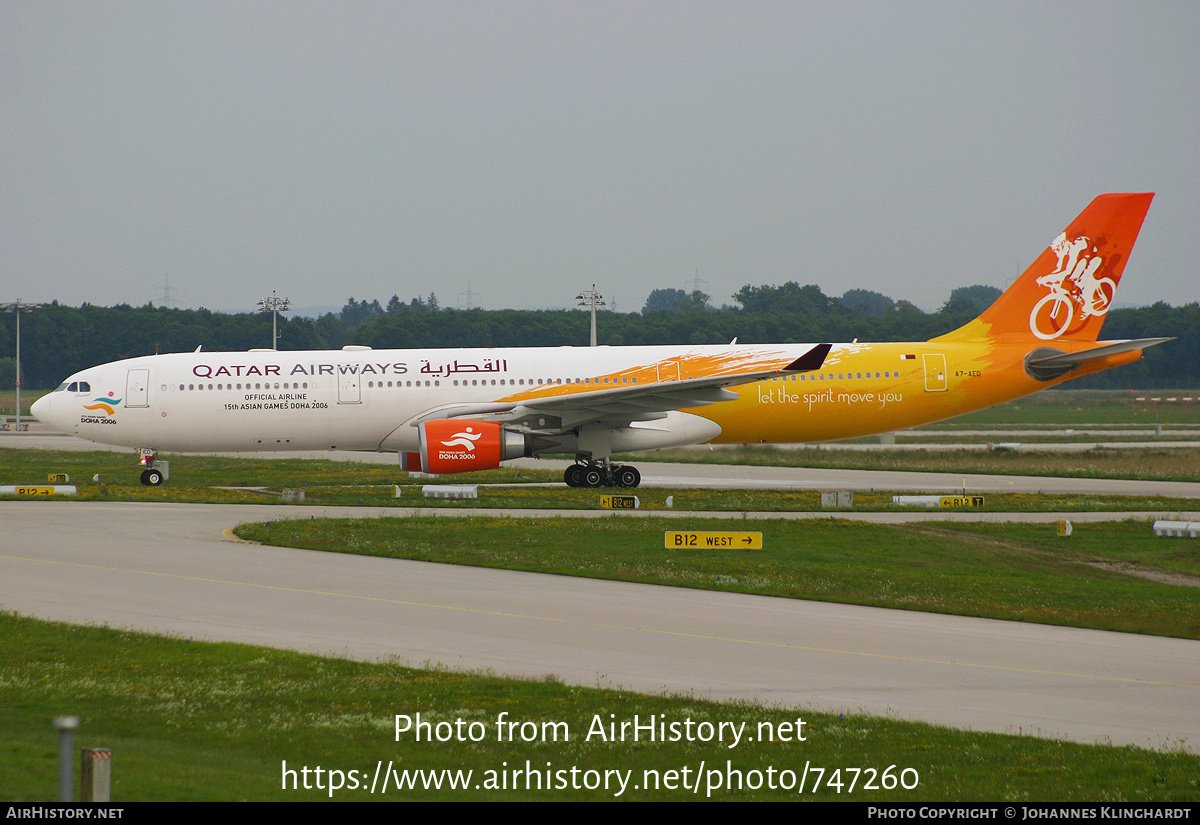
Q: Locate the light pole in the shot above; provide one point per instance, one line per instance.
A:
(592, 299)
(18, 307)
(274, 305)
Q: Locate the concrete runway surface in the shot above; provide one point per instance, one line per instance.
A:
(167, 568)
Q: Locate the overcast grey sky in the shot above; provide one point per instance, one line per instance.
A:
(533, 148)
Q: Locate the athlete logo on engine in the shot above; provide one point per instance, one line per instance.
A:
(466, 440)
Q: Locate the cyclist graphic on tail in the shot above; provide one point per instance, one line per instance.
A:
(1075, 291)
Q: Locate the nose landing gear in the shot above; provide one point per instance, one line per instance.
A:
(156, 471)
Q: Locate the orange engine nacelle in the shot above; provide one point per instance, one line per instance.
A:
(456, 446)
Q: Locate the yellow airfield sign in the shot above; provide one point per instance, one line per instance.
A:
(712, 539)
(38, 490)
(962, 501)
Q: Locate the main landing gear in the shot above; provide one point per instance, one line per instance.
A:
(156, 471)
(602, 474)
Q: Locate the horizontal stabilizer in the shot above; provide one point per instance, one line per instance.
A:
(1048, 363)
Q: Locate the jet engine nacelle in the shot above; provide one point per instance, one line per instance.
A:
(451, 445)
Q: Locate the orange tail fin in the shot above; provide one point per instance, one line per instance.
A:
(1065, 294)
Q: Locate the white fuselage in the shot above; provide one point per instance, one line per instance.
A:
(353, 399)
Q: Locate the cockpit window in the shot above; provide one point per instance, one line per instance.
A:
(61, 387)
(84, 386)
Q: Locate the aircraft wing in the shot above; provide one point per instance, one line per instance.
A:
(618, 406)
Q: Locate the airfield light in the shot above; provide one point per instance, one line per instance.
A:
(66, 726)
(18, 306)
(275, 305)
(592, 299)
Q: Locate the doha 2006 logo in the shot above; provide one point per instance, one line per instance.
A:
(103, 410)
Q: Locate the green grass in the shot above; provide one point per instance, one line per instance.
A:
(1149, 464)
(1138, 437)
(214, 722)
(326, 482)
(1018, 572)
(120, 471)
(8, 401)
(1075, 408)
(206, 722)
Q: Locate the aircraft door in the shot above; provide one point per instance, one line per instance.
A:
(935, 372)
(668, 371)
(349, 388)
(137, 388)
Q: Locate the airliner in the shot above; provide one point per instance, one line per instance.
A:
(456, 410)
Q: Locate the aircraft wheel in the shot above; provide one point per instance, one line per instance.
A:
(152, 478)
(592, 477)
(628, 477)
(573, 476)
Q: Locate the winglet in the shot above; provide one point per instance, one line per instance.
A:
(811, 360)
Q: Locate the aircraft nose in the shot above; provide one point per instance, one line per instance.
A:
(41, 409)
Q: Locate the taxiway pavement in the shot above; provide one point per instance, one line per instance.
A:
(168, 568)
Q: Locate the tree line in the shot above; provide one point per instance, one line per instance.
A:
(57, 340)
